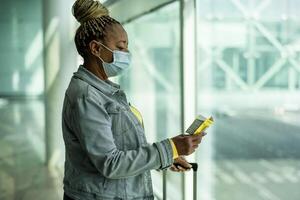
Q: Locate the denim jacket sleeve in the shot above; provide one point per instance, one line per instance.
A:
(96, 138)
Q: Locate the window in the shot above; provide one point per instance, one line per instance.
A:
(153, 83)
(248, 79)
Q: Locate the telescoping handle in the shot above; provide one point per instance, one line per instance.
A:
(194, 166)
(195, 169)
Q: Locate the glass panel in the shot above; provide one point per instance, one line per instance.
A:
(152, 84)
(21, 60)
(248, 79)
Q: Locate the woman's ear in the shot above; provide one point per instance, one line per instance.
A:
(95, 48)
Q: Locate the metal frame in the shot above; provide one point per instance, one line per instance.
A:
(188, 81)
(181, 72)
(256, 26)
(119, 9)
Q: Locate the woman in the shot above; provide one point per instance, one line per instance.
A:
(107, 155)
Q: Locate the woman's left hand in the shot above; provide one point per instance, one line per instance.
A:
(182, 166)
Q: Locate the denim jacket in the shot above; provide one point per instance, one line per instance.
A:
(107, 154)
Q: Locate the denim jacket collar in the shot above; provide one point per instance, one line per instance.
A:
(106, 86)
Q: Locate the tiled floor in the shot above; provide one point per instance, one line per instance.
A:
(23, 175)
(255, 155)
(253, 158)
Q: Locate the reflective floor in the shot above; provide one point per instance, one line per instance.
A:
(23, 175)
(254, 157)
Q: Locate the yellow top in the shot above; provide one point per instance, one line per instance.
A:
(175, 153)
(137, 114)
(140, 118)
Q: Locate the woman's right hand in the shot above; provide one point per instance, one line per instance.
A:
(187, 144)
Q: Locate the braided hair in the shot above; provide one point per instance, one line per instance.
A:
(93, 18)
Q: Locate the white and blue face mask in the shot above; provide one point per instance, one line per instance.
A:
(121, 62)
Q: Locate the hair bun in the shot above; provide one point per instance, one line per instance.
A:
(84, 10)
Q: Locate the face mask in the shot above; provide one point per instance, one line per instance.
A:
(121, 62)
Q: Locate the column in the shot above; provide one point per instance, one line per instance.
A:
(60, 61)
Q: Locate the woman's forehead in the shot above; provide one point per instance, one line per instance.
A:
(116, 33)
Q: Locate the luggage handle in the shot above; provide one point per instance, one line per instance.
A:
(195, 169)
(194, 166)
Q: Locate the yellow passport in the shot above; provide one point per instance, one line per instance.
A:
(199, 125)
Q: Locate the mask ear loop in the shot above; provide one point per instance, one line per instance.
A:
(101, 59)
(106, 47)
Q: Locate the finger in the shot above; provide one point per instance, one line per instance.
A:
(187, 169)
(177, 165)
(196, 142)
(180, 168)
(183, 162)
(177, 170)
(173, 168)
(197, 137)
(185, 166)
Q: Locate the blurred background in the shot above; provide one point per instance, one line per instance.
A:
(235, 60)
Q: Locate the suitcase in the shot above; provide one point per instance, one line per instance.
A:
(195, 169)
